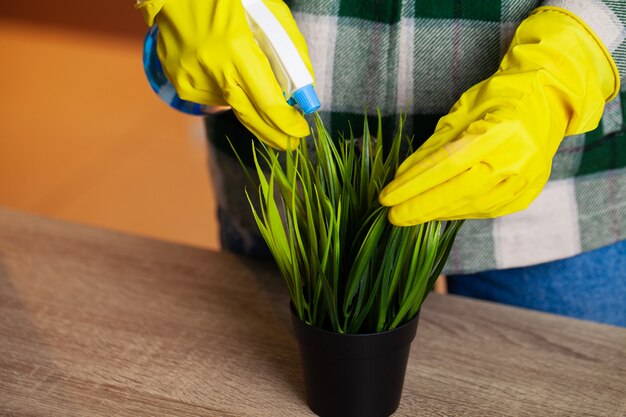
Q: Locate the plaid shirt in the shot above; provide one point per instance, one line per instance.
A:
(418, 57)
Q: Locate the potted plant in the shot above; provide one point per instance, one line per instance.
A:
(356, 282)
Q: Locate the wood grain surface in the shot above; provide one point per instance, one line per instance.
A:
(96, 323)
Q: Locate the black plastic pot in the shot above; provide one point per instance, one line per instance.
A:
(358, 375)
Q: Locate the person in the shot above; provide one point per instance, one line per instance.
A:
(517, 102)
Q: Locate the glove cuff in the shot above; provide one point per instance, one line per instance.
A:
(615, 88)
(149, 9)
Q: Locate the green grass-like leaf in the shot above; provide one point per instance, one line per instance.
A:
(347, 269)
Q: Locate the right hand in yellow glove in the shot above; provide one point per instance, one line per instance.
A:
(492, 154)
(209, 54)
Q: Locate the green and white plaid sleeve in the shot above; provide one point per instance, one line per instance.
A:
(583, 206)
(417, 57)
(420, 56)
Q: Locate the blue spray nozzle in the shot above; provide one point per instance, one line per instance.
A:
(306, 99)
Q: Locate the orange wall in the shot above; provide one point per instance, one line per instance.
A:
(82, 136)
(115, 18)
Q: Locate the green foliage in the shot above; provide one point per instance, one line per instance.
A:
(346, 267)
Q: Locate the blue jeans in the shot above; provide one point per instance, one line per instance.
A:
(590, 286)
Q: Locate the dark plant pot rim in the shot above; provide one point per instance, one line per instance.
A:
(363, 345)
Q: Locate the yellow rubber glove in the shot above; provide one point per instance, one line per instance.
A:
(209, 54)
(492, 154)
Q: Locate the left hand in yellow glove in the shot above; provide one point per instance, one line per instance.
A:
(209, 54)
(492, 154)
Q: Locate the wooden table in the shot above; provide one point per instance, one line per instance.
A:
(100, 323)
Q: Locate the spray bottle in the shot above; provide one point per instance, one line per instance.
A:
(289, 69)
